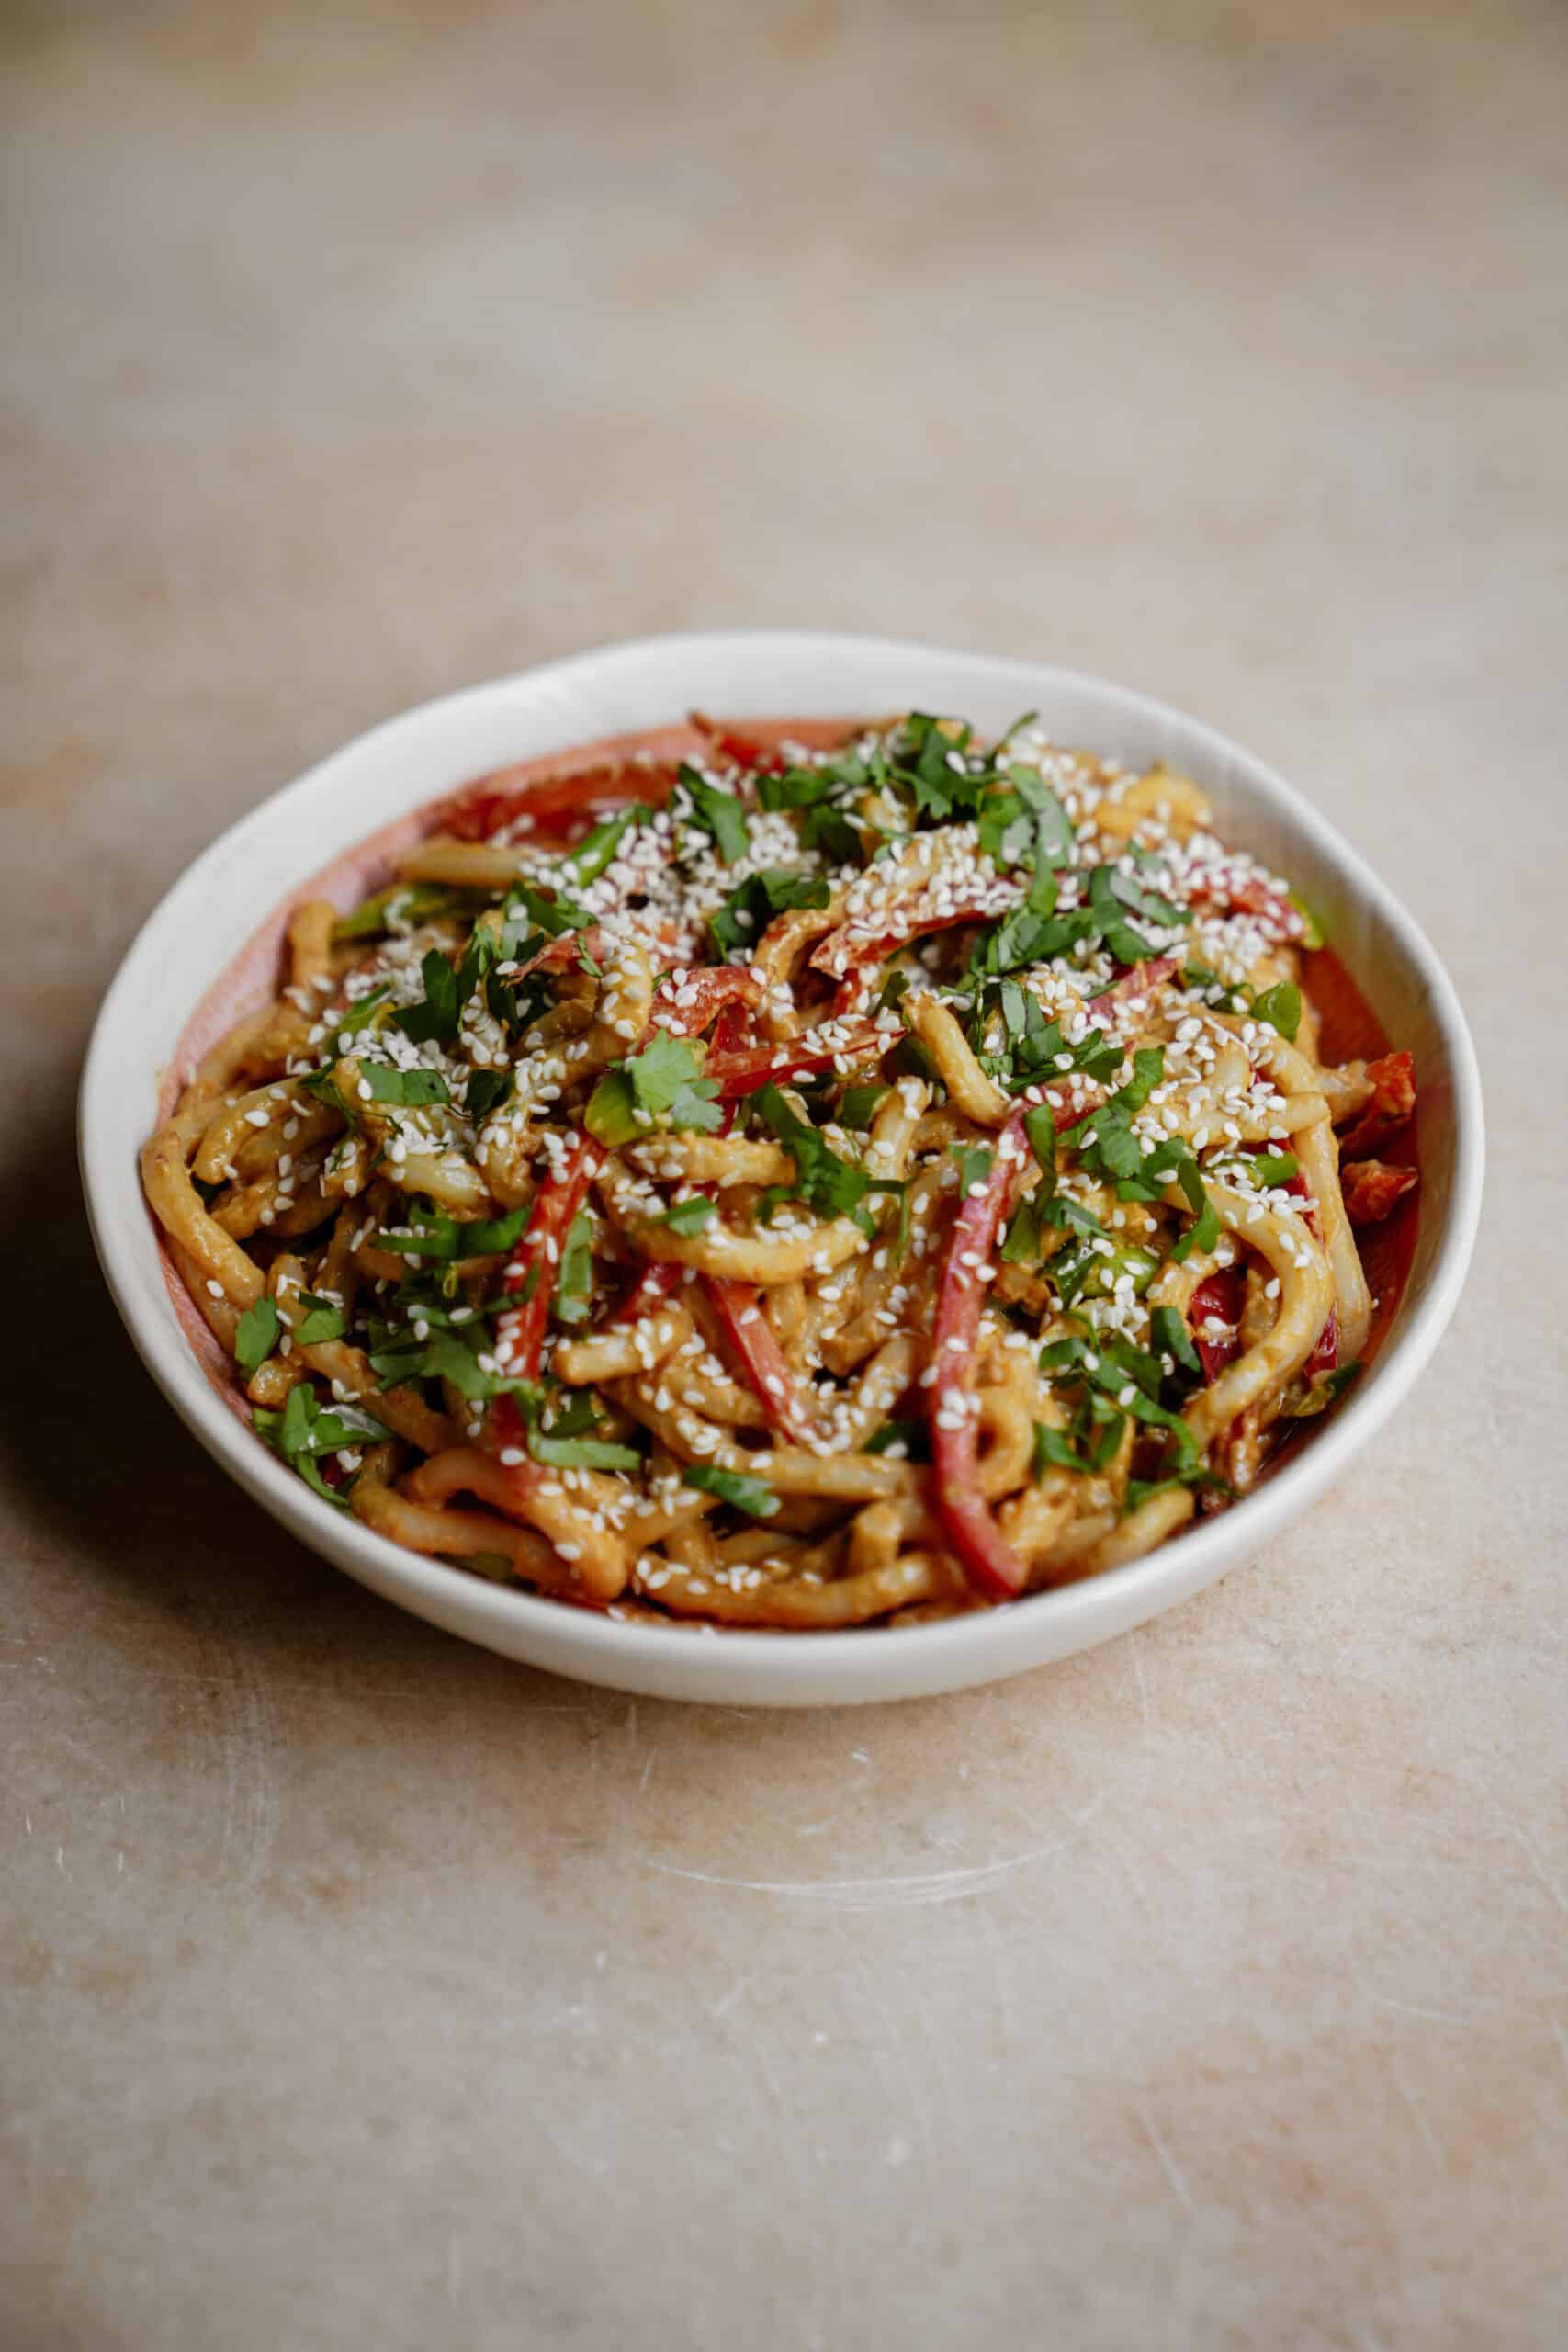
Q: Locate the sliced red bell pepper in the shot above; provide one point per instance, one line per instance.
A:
(656, 1282)
(988, 1560)
(731, 1029)
(1391, 1104)
(560, 955)
(750, 1333)
(1372, 1188)
(744, 1072)
(851, 946)
(1324, 1356)
(762, 759)
(1138, 982)
(556, 803)
(849, 998)
(686, 1011)
(1219, 1296)
(534, 1261)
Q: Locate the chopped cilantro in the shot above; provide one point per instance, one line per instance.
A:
(718, 813)
(688, 1217)
(407, 1088)
(1170, 1336)
(322, 1322)
(255, 1335)
(359, 1013)
(748, 911)
(486, 1091)
(436, 1016)
(444, 1237)
(1323, 1392)
(908, 1434)
(305, 1429)
(1281, 1007)
(733, 1487)
(575, 1282)
(821, 1179)
(664, 1081)
(596, 849)
(857, 1105)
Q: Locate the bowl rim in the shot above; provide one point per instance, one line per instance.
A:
(862, 1663)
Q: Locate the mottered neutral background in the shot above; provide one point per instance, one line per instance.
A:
(1208, 1991)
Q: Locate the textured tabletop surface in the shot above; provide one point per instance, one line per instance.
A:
(357, 1987)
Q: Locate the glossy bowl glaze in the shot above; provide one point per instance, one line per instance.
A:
(234, 892)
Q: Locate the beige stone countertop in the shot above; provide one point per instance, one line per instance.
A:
(357, 1987)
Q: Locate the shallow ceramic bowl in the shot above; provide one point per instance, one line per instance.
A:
(242, 879)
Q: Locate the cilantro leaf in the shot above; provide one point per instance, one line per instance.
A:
(1281, 1007)
(1170, 1336)
(324, 1321)
(255, 1335)
(663, 1081)
(822, 1180)
(435, 1018)
(688, 1217)
(718, 813)
(733, 1487)
(359, 1014)
(574, 1283)
(407, 1088)
(486, 1091)
(596, 849)
(748, 911)
(444, 1239)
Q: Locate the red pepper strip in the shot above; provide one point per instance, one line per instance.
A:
(520, 1331)
(1250, 896)
(843, 949)
(653, 1285)
(1324, 1356)
(1137, 982)
(1220, 1295)
(708, 991)
(744, 750)
(750, 1333)
(730, 1030)
(480, 809)
(990, 1563)
(558, 954)
(1392, 1103)
(1372, 1188)
(743, 1073)
(852, 990)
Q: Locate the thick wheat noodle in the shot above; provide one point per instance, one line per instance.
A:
(232, 1144)
(848, 1600)
(623, 1350)
(165, 1177)
(977, 1096)
(1150, 1523)
(461, 1534)
(1306, 1293)
(577, 1519)
(779, 953)
(723, 1160)
(844, 1536)
(695, 1379)
(763, 1258)
(1319, 1156)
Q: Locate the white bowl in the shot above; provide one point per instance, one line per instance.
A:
(261, 861)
